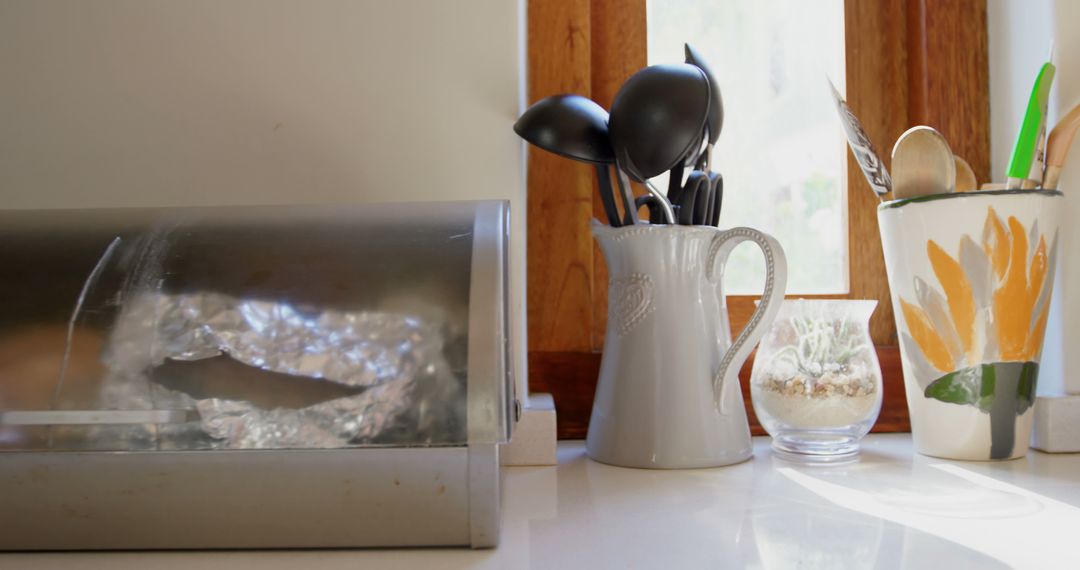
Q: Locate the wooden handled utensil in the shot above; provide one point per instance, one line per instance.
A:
(1058, 145)
(877, 176)
(1025, 170)
(965, 176)
(922, 164)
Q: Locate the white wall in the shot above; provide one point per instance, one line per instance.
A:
(208, 102)
(1020, 38)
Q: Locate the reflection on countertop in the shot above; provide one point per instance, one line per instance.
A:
(891, 509)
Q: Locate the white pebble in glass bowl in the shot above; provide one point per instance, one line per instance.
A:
(816, 383)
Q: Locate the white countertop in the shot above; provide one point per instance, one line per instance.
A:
(892, 509)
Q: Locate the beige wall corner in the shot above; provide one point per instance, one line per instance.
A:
(534, 437)
(1057, 424)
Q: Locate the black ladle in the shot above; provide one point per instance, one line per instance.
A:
(657, 120)
(715, 119)
(574, 127)
(700, 198)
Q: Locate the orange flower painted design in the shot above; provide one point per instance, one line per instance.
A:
(991, 303)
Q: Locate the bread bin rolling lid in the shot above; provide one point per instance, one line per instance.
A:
(254, 327)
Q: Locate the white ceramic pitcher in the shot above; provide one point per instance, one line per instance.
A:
(668, 396)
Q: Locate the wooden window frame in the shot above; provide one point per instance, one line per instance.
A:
(908, 62)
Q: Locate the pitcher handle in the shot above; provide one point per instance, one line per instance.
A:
(764, 314)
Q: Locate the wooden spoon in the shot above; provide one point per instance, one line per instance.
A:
(965, 176)
(922, 164)
(1058, 145)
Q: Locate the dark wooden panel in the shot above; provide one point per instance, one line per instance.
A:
(877, 91)
(894, 409)
(560, 249)
(619, 40)
(949, 77)
(571, 379)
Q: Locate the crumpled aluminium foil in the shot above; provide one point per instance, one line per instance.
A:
(409, 394)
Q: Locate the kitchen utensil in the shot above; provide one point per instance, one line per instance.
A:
(675, 182)
(715, 119)
(688, 196)
(965, 176)
(922, 164)
(568, 125)
(646, 201)
(657, 118)
(717, 183)
(653, 204)
(698, 201)
(688, 214)
(603, 185)
(574, 127)
(626, 192)
(1058, 145)
(662, 202)
(873, 169)
(668, 392)
(686, 193)
(1025, 166)
(704, 197)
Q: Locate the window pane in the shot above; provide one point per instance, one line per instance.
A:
(781, 151)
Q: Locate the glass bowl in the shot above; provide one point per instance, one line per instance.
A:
(816, 382)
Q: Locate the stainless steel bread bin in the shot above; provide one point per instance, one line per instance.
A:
(253, 377)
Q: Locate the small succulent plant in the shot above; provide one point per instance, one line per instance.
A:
(822, 345)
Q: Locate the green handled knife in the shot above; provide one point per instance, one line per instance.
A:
(1024, 169)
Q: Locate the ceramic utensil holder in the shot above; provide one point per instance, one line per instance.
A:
(971, 275)
(668, 394)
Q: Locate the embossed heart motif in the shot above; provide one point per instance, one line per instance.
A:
(631, 301)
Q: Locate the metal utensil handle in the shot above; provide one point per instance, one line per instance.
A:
(629, 213)
(662, 202)
(607, 195)
(727, 374)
